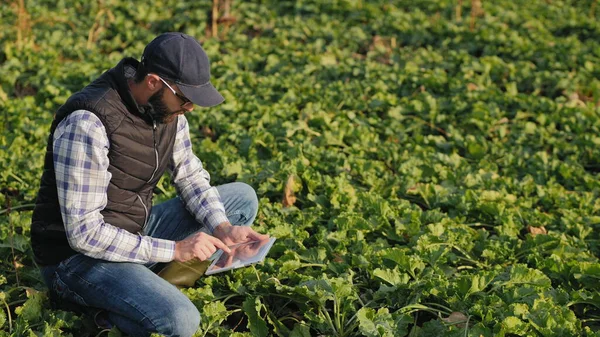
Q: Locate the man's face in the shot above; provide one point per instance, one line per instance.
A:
(160, 112)
(166, 105)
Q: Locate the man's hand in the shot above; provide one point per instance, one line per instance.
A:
(231, 235)
(199, 245)
(241, 252)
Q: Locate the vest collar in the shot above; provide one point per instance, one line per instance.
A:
(120, 80)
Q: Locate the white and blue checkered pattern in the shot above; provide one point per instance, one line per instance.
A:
(81, 165)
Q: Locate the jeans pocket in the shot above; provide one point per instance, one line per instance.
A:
(64, 293)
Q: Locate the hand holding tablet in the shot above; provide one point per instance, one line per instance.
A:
(242, 254)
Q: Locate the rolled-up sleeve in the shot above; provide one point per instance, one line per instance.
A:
(192, 181)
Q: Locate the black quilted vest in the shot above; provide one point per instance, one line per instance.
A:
(139, 154)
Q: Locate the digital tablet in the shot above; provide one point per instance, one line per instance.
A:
(242, 255)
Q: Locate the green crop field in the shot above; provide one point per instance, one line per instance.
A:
(430, 168)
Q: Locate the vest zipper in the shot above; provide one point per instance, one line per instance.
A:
(145, 213)
(153, 173)
(155, 150)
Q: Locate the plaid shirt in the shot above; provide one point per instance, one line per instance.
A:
(81, 164)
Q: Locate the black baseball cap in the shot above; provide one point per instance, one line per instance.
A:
(179, 58)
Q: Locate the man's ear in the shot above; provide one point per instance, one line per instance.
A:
(153, 83)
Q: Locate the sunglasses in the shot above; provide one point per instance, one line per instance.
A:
(181, 97)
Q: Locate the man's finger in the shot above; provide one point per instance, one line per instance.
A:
(199, 253)
(219, 244)
(256, 236)
(229, 260)
(208, 252)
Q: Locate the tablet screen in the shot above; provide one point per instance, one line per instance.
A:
(242, 254)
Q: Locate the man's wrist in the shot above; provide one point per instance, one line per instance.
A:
(221, 228)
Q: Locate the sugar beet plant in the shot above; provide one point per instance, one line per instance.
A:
(430, 168)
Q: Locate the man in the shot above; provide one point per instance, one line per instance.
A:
(94, 231)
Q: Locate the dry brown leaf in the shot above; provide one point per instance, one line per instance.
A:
(503, 120)
(377, 41)
(18, 265)
(207, 132)
(472, 87)
(457, 318)
(413, 189)
(537, 230)
(337, 258)
(574, 97)
(496, 125)
(30, 292)
(289, 198)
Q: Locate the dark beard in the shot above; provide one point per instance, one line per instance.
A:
(158, 109)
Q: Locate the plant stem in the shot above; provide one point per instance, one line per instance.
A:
(214, 17)
(102, 331)
(447, 310)
(364, 305)
(26, 207)
(226, 298)
(336, 312)
(590, 320)
(10, 235)
(256, 272)
(525, 251)
(16, 302)
(467, 326)
(325, 313)
(9, 316)
(313, 265)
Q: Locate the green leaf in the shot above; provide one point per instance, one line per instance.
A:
(434, 327)
(252, 307)
(328, 60)
(476, 148)
(480, 282)
(586, 297)
(412, 264)
(381, 323)
(234, 168)
(521, 274)
(366, 325)
(391, 276)
(19, 242)
(549, 318)
(115, 332)
(31, 310)
(588, 270)
(514, 325)
(213, 313)
(290, 265)
(300, 330)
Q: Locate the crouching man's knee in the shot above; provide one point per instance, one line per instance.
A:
(182, 321)
(246, 204)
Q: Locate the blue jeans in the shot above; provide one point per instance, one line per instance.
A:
(137, 300)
